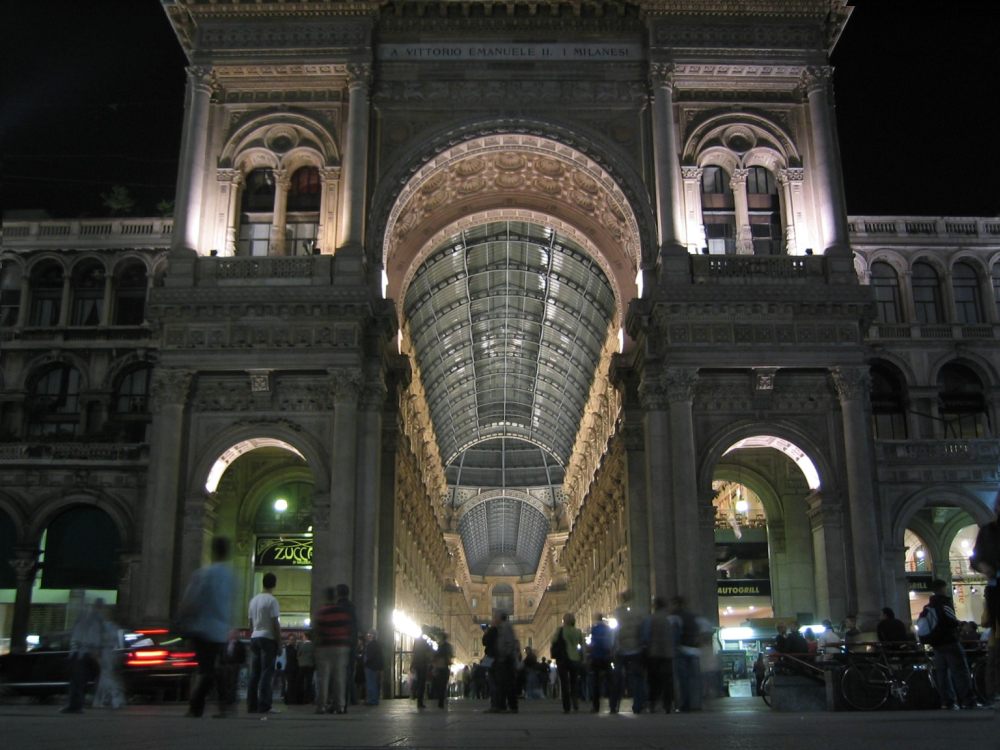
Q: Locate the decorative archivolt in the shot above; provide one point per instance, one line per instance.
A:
(285, 140)
(506, 493)
(740, 140)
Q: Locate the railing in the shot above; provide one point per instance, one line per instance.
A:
(304, 270)
(85, 233)
(747, 269)
(882, 228)
(883, 331)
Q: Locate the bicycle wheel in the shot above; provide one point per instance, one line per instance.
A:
(866, 687)
(765, 689)
(920, 691)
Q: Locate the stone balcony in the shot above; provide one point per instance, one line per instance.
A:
(938, 332)
(890, 230)
(938, 460)
(71, 451)
(81, 234)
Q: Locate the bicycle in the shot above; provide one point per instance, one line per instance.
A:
(871, 678)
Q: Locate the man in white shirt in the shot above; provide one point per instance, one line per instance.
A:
(265, 635)
(828, 643)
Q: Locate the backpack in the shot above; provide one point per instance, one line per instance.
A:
(927, 622)
(558, 650)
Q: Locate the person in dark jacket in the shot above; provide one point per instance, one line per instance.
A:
(374, 665)
(420, 664)
(951, 671)
(892, 632)
(986, 560)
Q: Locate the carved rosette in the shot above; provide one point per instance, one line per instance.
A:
(346, 383)
(852, 383)
(170, 387)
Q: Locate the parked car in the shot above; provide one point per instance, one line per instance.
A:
(155, 665)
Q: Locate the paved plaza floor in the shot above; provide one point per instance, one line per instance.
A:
(728, 724)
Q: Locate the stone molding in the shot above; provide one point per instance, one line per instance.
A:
(169, 387)
(347, 383)
(680, 383)
(852, 383)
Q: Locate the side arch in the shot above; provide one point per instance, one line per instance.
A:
(959, 496)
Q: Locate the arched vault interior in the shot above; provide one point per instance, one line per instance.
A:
(507, 321)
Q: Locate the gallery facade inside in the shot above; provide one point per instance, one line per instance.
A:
(485, 306)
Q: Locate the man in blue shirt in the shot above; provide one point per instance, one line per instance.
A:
(602, 642)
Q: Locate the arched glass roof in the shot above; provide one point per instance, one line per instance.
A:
(507, 321)
(503, 536)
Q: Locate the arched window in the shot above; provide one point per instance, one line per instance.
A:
(131, 405)
(257, 211)
(54, 403)
(10, 293)
(88, 294)
(926, 294)
(81, 550)
(503, 598)
(885, 285)
(718, 211)
(918, 557)
(46, 294)
(302, 225)
(965, 284)
(765, 212)
(130, 294)
(962, 403)
(888, 397)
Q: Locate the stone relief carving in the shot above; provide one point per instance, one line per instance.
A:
(169, 386)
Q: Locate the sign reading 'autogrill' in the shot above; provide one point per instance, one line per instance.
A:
(284, 551)
(743, 587)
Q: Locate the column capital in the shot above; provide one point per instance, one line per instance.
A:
(739, 177)
(851, 382)
(692, 173)
(653, 393)
(170, 386)
(359, 75)
(232, 177)
(791, 174)
(282, 178)
(680, 383)
(346, 382)
(202, 78)
(25, 563)
(662, 75)
(816, 78)
(329, 174)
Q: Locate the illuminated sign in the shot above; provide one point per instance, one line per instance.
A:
(284, 551)
(743, 587)
(919, 582)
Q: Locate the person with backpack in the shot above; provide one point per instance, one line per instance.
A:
(567, 650)
(938, 627)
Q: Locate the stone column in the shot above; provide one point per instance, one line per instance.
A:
(230, 189)
(191, 164)
(197, 524)
(282, 181)
(680, 382)
(108, 299)
(744, 239)
(828, 182)
(853, 389)
(356, 159)
(366, 518)
(24, 301)
(386, 569)
(323, 570)
(66, 300)
(326, 232)
(170, 389)
(666, 162)
(826, 520)
(347, 384)
(708, 575)
(25, 565)
(659, 493)
(637, 510)
(693, 219)
(128, 565)
(791, 207)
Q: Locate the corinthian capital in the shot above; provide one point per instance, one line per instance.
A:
(346, 383)
(232, 177)
(692, 173)
(851, 382)
(662, 74)
(816, 78)
(170, 386)
(680, 383)
(653, 393)
(359, 74)
(202, 77)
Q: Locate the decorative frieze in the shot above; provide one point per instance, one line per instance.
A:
(464, 94)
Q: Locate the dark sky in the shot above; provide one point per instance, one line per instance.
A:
(96, 99)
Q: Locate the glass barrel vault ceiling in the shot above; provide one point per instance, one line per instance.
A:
(507, 322)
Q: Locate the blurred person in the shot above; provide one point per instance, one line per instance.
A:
(374, 665)
(307, 669)
(87, 642)
(829, 643)
(690, 637)
(265, 635)
(293, 693)
(892, 632)
(629, 655)
(231, 661)
(601, 653)
(567, 650)
(505, 665)
(336, 633)
(441, 664)
(659, 639)
(985, 559)
(110, 691)
(940, 628)
(420, 665)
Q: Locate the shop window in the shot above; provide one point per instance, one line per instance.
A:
(130, 295)
(962, 403)
(10, 293)
(46, 294)
(885, 285)
(965, 286)
(131, 405)
(54, 403)
(888, 397)
(926, 294)
(88, 294)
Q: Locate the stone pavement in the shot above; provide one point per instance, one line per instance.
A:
(729, 724)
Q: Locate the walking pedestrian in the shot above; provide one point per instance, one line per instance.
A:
(442, 669)
(265, 635)
(659, 638)
(601, 653)
(374, 665)
(336, 633)
(86, 646)
(567, 650)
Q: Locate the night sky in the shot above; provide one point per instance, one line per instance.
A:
(96, 99)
